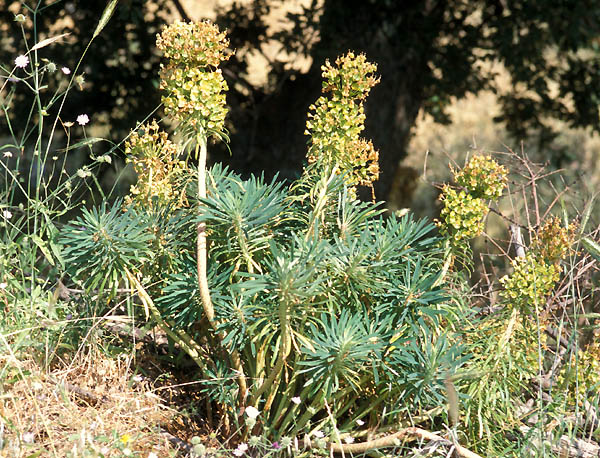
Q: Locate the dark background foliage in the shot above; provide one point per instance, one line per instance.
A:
(427, 52)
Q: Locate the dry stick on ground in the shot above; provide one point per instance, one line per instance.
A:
(392, 440)
(201, 253)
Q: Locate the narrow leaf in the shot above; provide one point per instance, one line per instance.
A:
(87, 142)
(586, 214)
(43, 248)
(48, 41)
(592, 247)
(108, 11)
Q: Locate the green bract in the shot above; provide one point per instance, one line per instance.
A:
(194, 86)
(532, 280)
(483, 177)
(155, 160)
(462, 215)
(336, 120)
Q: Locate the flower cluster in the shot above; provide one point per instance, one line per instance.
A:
(552, 241)
(336, 120)
(193, 44)
(531, 281)
(581, 375)
(483, 177)
(536, 274)
(155, 160)
(463, 213)
(195, 88)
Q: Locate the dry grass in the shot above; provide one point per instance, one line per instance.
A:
(95, 405)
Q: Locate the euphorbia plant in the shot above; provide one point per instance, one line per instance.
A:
(195, 98)
(329, 311)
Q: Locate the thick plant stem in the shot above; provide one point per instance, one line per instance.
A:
(283, 353)
(201, 256)
(181, 337)
(201, 260)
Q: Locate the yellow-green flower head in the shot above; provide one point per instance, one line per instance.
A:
(483, 177)
(531, 281)
(351, 78)
(194, 86)
(552, 241)
(195, 96)
(336, 120)
(155, 160)
(193, 44)
(462, 215)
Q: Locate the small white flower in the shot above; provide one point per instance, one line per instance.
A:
(84, 173)
(83, 119)
(6, 214)
(241, 449)
(22, 61)
(360, 422)
(65, 70)
(3, 285)
(348, 439)
(28, 438)
(104, 158)
(252, 412)
(318, 433)
(296, 400)
(7, 154)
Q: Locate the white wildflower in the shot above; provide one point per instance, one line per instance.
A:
(296, 400)
(65, 70)
(360, 422)
(252, 412)
(7, 154)
(28, 438)
(6, 214)
(83, 119)
(22, 61)
(84, 173)
(348, 439)
(104, 158)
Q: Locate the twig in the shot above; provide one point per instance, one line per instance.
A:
(181, 11)
(391, 440)
(183, 445)
(86, 395)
